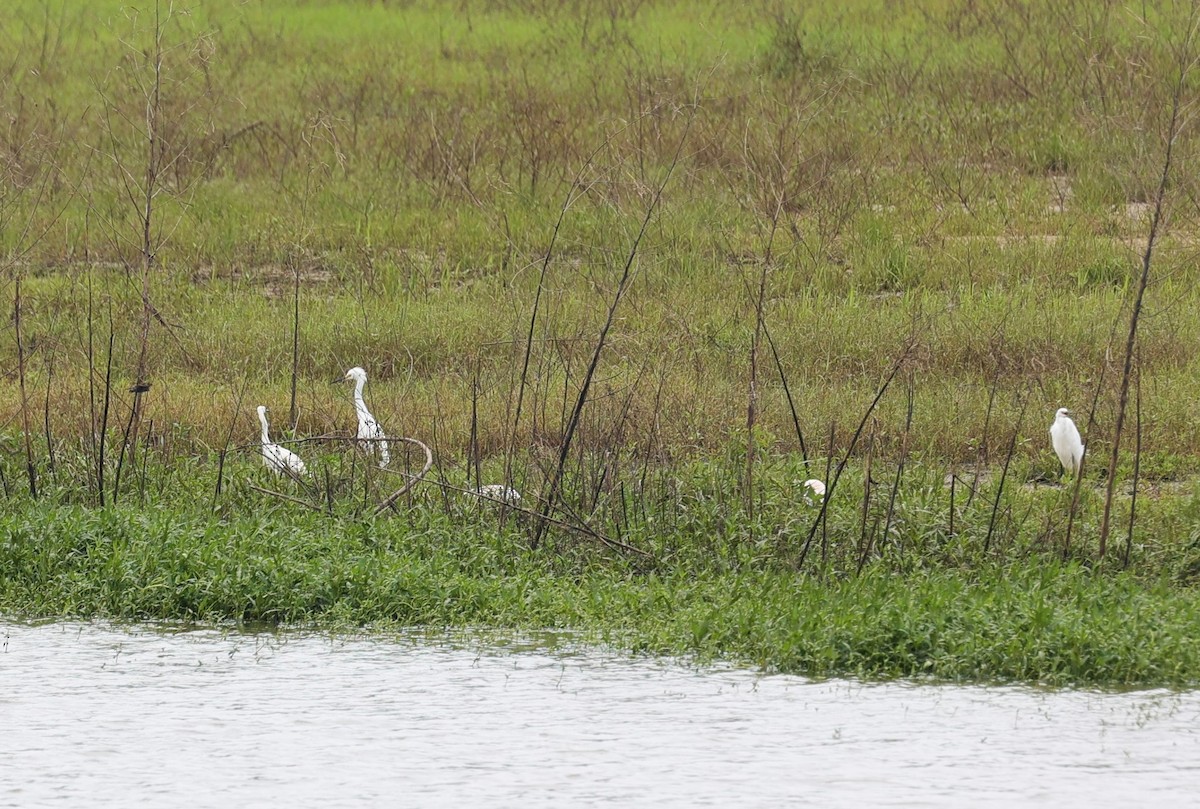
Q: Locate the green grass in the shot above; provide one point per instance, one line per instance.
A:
(1034, 620)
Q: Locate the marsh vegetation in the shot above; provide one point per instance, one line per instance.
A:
(653, 264)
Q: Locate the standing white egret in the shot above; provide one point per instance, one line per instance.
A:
(278, 459)
(1064, 437)
(368, 429)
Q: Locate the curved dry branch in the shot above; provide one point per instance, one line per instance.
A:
(283, 496)
(325, 438)
(413, 481)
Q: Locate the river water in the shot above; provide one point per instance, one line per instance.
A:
(99, 715)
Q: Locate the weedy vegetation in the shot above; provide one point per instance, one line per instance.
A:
(651, 263)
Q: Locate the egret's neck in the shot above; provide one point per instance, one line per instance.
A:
(263, 418)
(359, 404)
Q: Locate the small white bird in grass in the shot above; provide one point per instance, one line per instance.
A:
(814, 488)
(498, 491)
(368, 428)
(278, 459)
(1064, 437)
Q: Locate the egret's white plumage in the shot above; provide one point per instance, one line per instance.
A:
(368, 428)
(498, 491)
(1064, 437)
(278, 459)
(814, 488)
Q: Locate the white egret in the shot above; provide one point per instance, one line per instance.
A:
(1064, 437)
(278, 459)
(815, 488)
(368, 429)
(501, 493)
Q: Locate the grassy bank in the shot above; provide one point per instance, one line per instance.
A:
(653, 263)
(1035, 619)
(976, 602)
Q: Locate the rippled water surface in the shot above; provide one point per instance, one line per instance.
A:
(107, 716)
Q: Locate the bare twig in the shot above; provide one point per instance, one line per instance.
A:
(30, 469)
(1137, 461)
(758, 298)
(1008, 456)
(622, 286)
(891, 510)
(787, 392)
(864, 542)
(824, 517)
(283, 496)
(832, 484)
(293, 413)
(577, 190)
(1089, 431)
(1187, 61)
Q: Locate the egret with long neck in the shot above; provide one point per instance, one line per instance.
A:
(368, 429)
(278, 459)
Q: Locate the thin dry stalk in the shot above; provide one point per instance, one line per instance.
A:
(1077, 488)
(950, 527)
(46, 413)
(891, 510)
(293, 412)
(150, 190)
(473, 444)
(30, 468)
(1186, 62)
(1008, 456)
(787, 392)
(128, 435)
(283, 496)
(825, 514)
(220, 476)
(622, 286)
(751, 415)
(93, 434)
(981, 458)
(759, 299)
(863, 542)
(832, 484)
(441, 471)
(1137, 462)
(105, 407)
(145, 462)
(580, 525)
(221, 453)
(574, 193)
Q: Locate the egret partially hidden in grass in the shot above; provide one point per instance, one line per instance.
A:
(369, 430)
(814, 488)
(278, 459)
(1064, 437)
(501, 493)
